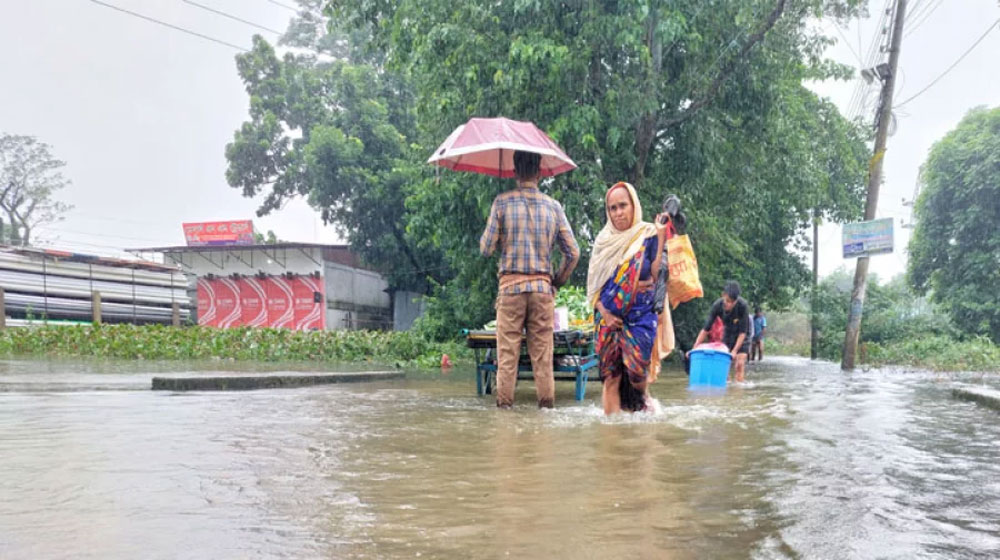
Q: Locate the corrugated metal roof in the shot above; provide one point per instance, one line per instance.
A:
(86, 258)
(259, 246)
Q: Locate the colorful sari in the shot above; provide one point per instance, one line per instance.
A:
(628, 350)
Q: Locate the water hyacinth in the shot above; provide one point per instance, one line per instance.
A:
(159, 342)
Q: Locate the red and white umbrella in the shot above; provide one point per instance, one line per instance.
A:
(487, 146)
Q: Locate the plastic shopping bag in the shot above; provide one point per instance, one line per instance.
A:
(683, 283)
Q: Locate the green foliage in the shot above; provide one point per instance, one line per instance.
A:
(574, 299)
(941, 353)
(337, 133)
(893, 314)
(899, 327)
(701, 100)
(676, 97)
(158, 342)
(955, 248)
(269, 239)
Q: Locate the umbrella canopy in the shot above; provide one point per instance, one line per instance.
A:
(487, 146)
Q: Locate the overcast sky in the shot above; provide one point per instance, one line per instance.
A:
(142, 113)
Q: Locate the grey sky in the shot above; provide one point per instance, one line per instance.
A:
(141, 113)
(932, 46)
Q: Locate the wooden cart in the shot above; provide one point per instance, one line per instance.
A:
(573, 359)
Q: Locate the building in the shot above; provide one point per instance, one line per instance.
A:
(300, 286)
(53, 286)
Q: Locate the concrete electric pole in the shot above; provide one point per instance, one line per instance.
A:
(888, 77)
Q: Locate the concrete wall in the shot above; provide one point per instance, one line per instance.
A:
(407, 307)
(356, 299)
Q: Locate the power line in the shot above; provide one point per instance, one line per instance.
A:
(285, 6)
(50, 228)
(232, 17)
(913, 11)
(954, 64)
(858, 99)
(925, 18)
(170, 25)
(848, 43)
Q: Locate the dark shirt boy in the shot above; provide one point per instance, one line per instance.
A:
(734, 322)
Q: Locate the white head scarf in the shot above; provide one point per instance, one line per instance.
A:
(613, 246)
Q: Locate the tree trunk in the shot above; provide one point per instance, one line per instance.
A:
(15, 237)
(645, 130)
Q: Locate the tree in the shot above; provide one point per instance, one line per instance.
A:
(329, 123)
(269, 239)
(29, 176)
(702, 99)
(955, 248)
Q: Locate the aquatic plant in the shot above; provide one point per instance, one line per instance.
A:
(159, 342)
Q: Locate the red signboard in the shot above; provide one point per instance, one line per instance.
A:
(279, 303)
(233, 232)
(207, 316)
(227, 302)
(253, 302)
(290, 302)
(309, 305)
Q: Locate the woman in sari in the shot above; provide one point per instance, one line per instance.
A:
(632, 338)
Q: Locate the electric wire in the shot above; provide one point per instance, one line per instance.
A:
(231, 16)
(858, 99)
(917, 24)
(285, 6)
(48, 228)
(953, 65)
(913, 10)
(170, 25)
(875, 52)
(848, 43)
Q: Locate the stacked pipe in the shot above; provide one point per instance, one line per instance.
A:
(38, 286)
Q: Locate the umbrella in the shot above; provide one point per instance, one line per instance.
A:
(487, 146)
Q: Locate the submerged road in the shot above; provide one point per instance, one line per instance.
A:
(800, 462)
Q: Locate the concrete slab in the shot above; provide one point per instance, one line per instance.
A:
(267, 381)
(987, 397)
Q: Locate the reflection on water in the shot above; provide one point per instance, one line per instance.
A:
(800, 462)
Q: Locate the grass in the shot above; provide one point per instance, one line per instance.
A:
(939, 353)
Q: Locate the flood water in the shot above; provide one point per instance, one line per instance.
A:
(801, 462)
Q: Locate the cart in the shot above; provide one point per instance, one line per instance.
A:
(573, 359)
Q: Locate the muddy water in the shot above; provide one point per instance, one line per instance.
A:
(801, 462)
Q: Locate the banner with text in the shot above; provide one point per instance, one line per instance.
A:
(864, 239)
(233, 232)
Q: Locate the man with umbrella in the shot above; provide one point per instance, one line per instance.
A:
(525, 223)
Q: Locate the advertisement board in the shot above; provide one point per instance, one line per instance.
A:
(206, 303)
(864, 239)
(232, 232)
(289, 302)
(253, 308)
(227, 302)
(280, 313)
(309, 303)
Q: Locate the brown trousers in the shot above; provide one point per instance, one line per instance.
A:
(533, 312)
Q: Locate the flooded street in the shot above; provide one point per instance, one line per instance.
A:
(801, 462)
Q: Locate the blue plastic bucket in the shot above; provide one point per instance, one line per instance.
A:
(709, 368)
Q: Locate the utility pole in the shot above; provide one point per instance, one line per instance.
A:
(812, 300)
(874, 182)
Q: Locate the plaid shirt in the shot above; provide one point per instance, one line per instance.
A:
(525, 223)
